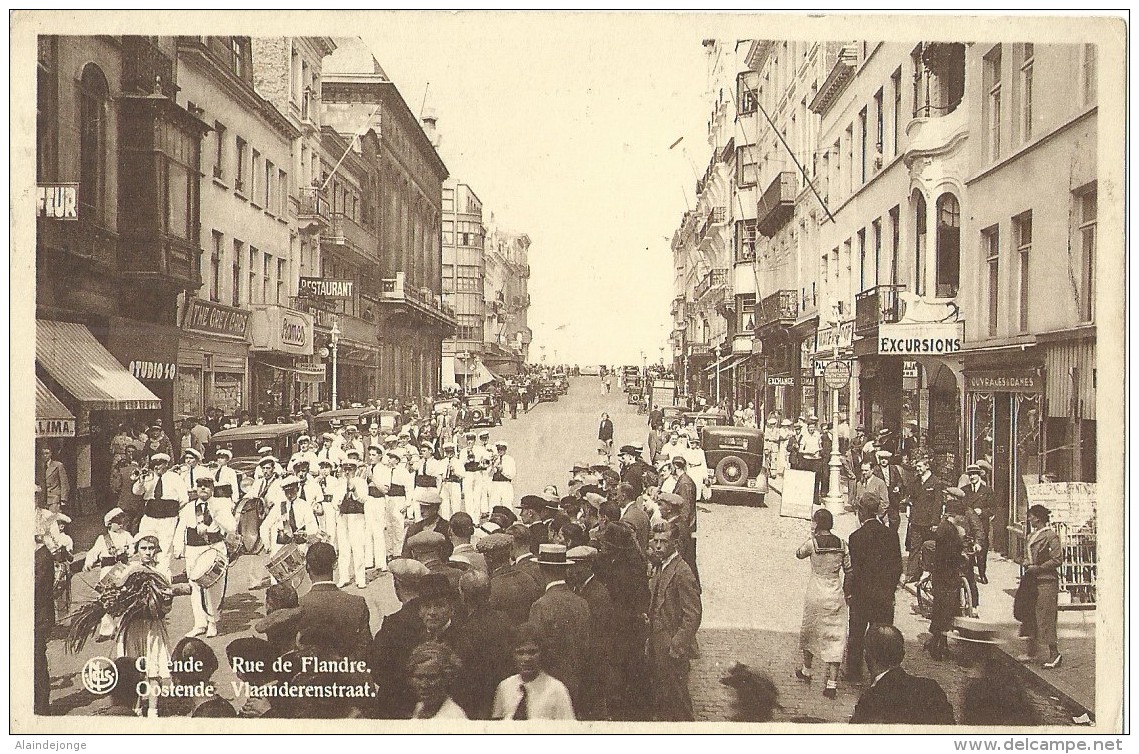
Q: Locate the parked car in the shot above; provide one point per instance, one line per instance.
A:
(547, 392)
(243, 442)
(735, 458)
(673, 416)
(361, 416)
(561, 382)
(483, 409)
(633, 395)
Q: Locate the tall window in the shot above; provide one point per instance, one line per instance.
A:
(254, 173)
(1087, 216)
(236, 58)
(850, 158)
(745, 240)
(948, 245)
(239, 173)
(47, 107)
(1026, 92)
(254, 260)
(746, 161)
(845, 271)
(896, 86)
(270, 176)
(879, 125)
(1022, 232)
(862, 276)
(920, 243)
(93, 108)
(895, 239)
(993, 102)
(219, 150)
(282, 278)
(1088, 74)
(991, 242)
(215, 268)
(877, 225)
(862, 141)
(238, 253)
(282, 192)
(266, 277)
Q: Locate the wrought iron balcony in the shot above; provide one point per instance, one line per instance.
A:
(395, 291)
(877, 306)
(779, 309)
(313, 207)
(716, 277)
(346, 232)
(146, 69)
(777, 204)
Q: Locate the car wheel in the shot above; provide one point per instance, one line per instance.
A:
(732, 471)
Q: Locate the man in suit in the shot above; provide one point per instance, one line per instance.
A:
(429, 501)
(44, 586)
(925, 514)
(895, 482)
(634, 515)
(686, 489)
(563, 622)
(534, 516)
(51, 477)
(483, 646)
(399, 633)
(604, 682)
(633, 469)
(875, 567)
(674, 616)
(515, 582)
(980, 499)
(871, 483)
(343, 618)
(895, 696)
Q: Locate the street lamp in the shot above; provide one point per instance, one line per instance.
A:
(834, 501)
(335, 343)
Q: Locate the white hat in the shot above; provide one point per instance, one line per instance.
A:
(502, 444)
(112, 514)
(391, 438)
(303, 438)
(160, 458)
(265, 450)
(224, 452)
(290, 480)
(192, 452)
(267, 459)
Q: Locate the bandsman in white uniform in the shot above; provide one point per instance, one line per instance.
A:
(450, 481)
(206, 523)
(163, 493)
(112, 548)
(351, 527)
(227, 483)
(502, 473)
(403, 478)
(484, 454)
(290, 520)
(352, 440)
(329, 490)
(304, 452)
(377, 478)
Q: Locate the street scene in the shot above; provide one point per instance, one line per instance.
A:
(358, 398)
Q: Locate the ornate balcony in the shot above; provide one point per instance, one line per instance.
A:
(313, 210)
(348, 234)
(877, 306)
(404, 298)
(777, 204)
(714, 278)
(780, 309)
(146, 69)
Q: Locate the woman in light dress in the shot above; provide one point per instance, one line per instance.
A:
(823, 632)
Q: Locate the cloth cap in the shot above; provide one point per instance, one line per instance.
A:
(583, 553)
(376, 448)
(627, 450)
(427, 496)
(594, 499)
(192, 452)
(552, 555)
(426, 446)
(504, 512)
(533, 502)
(484, 435)
(495, 544)
(112, 514)
(671, 498)
(407, 569)
(328, 436)
(160, 458)
(884, 454)
(426, 541)
(394, 454)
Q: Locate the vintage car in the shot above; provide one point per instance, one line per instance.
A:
(561, 382)
(483, 409)
(361, 416)
(243, 442)
(547, 391)
(735, 458)
(633, 394)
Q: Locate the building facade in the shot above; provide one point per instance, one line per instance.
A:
(506, 298)
(464, 272)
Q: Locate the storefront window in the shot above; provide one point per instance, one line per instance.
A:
(188, 392)
(227, 392)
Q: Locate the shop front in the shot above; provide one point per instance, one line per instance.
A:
(213, 353)
(281, 350)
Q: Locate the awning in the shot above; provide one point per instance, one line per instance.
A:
(733, 360)
(52, 417)
(87, 370)
(504, 368)
(480, 376)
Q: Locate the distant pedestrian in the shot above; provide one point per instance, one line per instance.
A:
(823, 631)
(1043, 559)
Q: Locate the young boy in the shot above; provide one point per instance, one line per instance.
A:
(532, 694)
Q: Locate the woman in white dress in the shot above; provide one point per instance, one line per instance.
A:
(823, 632)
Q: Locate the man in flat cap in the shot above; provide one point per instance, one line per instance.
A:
(896, 486)
(603, 683)
(429, 501)
(515, 585)
(399, 634)
(980, 500)
(502, 472)
(563, 622)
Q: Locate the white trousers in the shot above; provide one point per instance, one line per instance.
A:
(396, 526)
(476, 494)
(501, 493)
(351, 534)
(163, 528)
(375, 544)
(206, 603)
(329, 525)
(452, 495)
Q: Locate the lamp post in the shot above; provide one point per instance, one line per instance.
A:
(335, 343)
(834, 501)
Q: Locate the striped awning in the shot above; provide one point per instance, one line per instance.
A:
(52, 417)
(85, 369)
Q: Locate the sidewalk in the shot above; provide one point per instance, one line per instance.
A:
(1074, 682)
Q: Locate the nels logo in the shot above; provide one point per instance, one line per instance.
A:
(100, 675)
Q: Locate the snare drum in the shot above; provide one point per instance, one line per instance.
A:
(207, 569)
(287, 564)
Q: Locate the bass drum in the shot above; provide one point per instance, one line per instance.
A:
(732, 471)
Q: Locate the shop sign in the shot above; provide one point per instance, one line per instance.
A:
(153, 370)
(58, 201)
(276, 328)
(55, 428)
(926, 339)
(837, 374)
(828, 337)
(1003, 382)
(909, 370)
(325, 288)
(215, 319)
(781, 381)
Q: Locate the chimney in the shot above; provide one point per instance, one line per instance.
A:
(430, 119)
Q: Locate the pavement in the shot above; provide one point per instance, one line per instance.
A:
(752, 599)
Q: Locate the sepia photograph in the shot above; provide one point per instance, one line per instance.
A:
(646, 372)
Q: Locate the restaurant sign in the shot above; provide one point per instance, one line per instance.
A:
(325, 288)
(215, 319)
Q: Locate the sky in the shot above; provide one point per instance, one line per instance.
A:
(563, 125)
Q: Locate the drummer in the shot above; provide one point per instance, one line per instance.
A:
(226, 482)
(290, 520)
(111, 549)
(206, 523)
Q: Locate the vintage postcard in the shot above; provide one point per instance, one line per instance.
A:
(567, 372)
